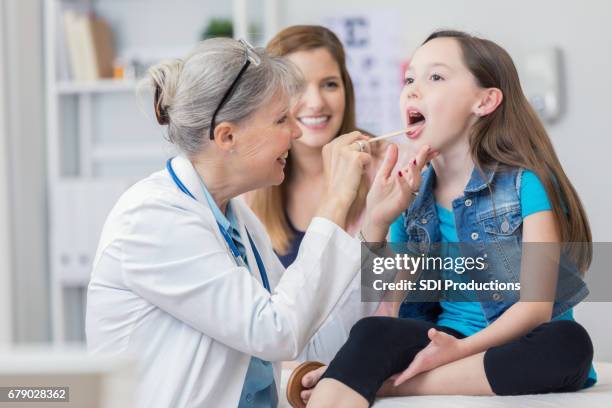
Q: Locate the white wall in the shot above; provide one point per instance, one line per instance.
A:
(5, 250)
(582, 137)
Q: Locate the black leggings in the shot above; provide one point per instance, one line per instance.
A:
(554, 357)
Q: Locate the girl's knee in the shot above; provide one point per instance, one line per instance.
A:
(576, 340)
(554, 357)
(571, 342)
(367, 324)
(388, 331)
(367, 327)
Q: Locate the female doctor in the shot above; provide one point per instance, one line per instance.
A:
(185, 277)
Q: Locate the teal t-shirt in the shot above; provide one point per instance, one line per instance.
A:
(467, 317)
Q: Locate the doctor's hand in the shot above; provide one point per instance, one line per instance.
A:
(392, 193)
(343, 165)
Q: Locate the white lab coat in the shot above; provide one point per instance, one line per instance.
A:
(165, 288)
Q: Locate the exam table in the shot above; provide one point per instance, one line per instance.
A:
(598, 396)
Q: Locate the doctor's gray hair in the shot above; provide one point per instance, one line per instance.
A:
(188, 91)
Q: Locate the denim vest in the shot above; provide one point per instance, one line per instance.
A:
(482, 216)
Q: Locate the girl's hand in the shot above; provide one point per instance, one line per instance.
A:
(343, 166)
(442, 349)
(391, 194)
(309, 381)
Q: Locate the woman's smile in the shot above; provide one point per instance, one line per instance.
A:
(314, 123)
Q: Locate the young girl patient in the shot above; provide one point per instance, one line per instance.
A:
(493, 178)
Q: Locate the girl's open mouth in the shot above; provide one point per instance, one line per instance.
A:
(416, 120)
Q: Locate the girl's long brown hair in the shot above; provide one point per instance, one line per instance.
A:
(269, 203)
(513, 135)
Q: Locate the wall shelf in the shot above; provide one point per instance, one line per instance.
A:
(99, 86)
(100, 137)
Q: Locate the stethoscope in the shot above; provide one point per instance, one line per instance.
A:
(231, 245)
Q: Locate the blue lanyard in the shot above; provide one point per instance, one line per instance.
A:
(228, 239)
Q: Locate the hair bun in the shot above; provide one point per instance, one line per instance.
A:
(161, 113)
(163, 78)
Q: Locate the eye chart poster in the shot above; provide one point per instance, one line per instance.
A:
(374, 60)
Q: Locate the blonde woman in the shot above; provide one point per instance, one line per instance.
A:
(325, 110)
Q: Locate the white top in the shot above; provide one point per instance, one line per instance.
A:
(165, 288)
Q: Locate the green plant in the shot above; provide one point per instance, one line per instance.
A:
(218, 27)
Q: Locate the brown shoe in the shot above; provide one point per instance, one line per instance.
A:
(294, 383)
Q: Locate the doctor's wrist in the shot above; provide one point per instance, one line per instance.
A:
(334, 209)
(372, 232)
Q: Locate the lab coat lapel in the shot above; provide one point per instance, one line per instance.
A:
(189, 177)
(245, 241)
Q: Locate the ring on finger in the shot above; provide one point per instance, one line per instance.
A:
(361, 144)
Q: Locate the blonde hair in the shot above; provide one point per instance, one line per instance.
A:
(269, 203)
